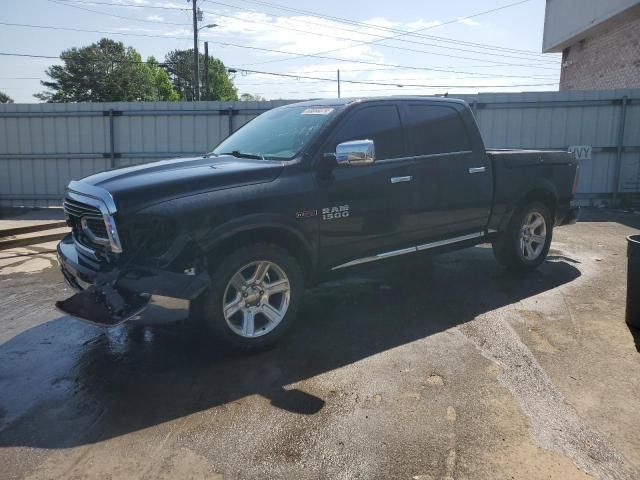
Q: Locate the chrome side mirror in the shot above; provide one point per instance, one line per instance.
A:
(356, 152)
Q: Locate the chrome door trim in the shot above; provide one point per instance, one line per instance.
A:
(425, 246)
(477, 169)
(437, 155)
(406, 178)
(448, 241)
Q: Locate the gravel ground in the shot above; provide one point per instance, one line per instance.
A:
(424, 368)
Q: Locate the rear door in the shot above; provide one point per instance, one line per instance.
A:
(364, 209)
(454, 183)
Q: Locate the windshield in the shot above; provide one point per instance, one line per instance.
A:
(278, 134)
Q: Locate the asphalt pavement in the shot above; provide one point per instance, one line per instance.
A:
(422, 368)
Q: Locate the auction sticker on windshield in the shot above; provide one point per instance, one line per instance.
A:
(317, 111)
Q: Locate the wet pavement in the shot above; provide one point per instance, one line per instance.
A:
(425, 368)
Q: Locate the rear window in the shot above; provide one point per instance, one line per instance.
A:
(437, 129)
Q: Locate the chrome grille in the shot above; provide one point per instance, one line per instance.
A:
(87, 223)
(97, 226)
(76, 209)
(90, 211)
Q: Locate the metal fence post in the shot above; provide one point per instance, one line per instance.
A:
(230, 120)
(619, 148)
(112, 144)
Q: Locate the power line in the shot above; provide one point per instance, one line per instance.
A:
(7, 54)
(380, 37)
(303, 81)
(27, 55)
(399, 69)
(342, 20)
(128, 5)
(380, 27)
(275, 25)
(295, 76)
(363, 82)
(64, 3)
(248, 47)
(359, 82)
(401, 34)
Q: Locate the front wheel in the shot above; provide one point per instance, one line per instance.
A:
(525, 243)
(253, 297)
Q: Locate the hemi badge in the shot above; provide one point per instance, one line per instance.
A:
(307, 213)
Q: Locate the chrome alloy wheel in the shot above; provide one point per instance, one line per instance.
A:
(256, 299)
(533, 235)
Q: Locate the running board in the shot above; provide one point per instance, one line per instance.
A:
(418, 248)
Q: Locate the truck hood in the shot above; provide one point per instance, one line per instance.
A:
(138, 186)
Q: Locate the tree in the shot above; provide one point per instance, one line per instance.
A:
(247, 97)
(179, 66)
(162, 83)
(4, 98)
(105, 71)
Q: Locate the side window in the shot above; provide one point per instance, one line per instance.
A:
(437, 129)
(380, 123)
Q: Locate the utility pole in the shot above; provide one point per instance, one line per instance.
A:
(196, 56)
(206, 70)
(338, 83)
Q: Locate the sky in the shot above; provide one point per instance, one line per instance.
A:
(437, 46)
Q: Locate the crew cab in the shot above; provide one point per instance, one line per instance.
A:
(306, 188)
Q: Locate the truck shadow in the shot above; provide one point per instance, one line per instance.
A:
(64, 384)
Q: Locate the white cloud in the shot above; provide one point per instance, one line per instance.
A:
(155, 18)
(469, 21)
(306, 34)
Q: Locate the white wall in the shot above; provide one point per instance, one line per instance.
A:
(567, 20)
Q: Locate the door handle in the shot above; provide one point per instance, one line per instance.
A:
(408, 178)
(477, 169)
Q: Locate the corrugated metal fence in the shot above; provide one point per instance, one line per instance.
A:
(43, 146)
(606, 121)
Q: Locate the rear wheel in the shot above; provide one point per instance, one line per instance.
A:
(253, 297)
(526, 242)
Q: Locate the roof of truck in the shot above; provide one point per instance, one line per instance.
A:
(334, 102)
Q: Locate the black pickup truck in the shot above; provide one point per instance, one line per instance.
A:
(302, 189)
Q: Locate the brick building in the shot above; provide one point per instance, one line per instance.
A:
(599, 41)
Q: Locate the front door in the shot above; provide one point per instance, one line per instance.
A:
(365, 209)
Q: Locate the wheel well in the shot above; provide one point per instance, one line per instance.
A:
(538, 195)
(277, 236)
(543, 196)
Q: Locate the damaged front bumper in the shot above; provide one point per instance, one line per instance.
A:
(131, 293)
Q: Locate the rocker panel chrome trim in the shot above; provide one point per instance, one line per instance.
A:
(373, 258)
(448, 241)
(425, 246)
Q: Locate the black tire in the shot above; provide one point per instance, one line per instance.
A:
(507, 248)
(207, 309)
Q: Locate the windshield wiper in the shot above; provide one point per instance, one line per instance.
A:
(239, 154)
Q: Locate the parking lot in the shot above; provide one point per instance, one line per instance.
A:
(427, 368)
